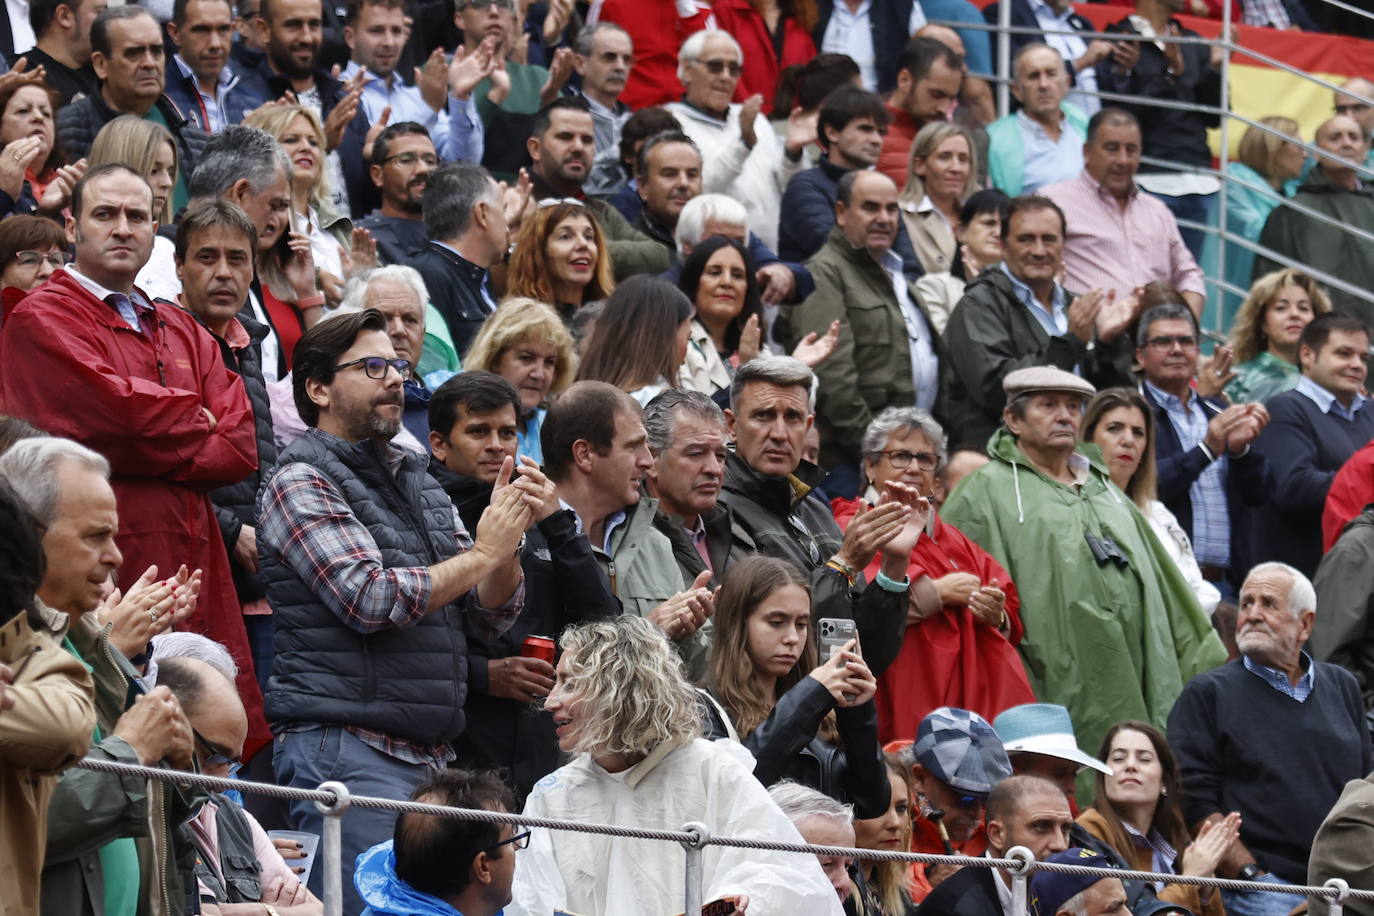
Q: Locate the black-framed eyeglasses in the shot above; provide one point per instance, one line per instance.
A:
(55, 259)
(519, 841)
(409, 159)
(486, 4)
(901, 458)
(376, 366)
(215, 756)
(1167, 343)
(718, 66)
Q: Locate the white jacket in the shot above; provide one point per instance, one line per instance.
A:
(707, 781)
(754, 177)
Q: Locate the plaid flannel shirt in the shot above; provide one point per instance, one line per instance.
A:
(310, 525)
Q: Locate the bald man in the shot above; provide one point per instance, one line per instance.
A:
(1335, 188)
(1357, 101)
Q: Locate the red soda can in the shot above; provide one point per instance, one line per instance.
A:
(542, 647)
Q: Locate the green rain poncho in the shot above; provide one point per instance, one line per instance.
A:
(1108, 643)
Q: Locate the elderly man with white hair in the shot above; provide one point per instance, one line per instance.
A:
(742, 155)
(822, 821)
(720, 214)
(1274, 735)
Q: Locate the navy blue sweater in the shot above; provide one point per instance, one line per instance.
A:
(1305, 448)
(1244, 746)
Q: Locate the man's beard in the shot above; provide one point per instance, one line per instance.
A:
(366, 423)
(285, 61)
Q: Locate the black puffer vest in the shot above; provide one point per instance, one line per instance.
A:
(406, 682)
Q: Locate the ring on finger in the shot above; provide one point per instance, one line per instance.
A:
(153, 615)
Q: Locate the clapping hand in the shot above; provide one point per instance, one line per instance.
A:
(1116, 315)
(1215, 372)
(813, 350)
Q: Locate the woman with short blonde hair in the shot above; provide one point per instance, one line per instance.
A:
(942, 173)
(526, 343)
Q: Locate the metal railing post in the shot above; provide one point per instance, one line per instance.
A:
(1020, 875)
(1225, 107)
(693, 874)
(1336, 904)
(331, 846)
(1003, 58)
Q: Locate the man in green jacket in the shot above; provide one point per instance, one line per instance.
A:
(111, 848)
(596, 450)
(1113, 631)
(888, 351)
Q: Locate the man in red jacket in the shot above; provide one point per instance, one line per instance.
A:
(89, 357)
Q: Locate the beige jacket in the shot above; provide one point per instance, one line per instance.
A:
(49, 727)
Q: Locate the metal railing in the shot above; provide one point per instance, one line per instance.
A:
(333, 799)
(1002, 32)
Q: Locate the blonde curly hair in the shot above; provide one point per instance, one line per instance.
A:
(515, 321)
(631, 683)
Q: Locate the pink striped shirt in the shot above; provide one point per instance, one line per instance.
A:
(1111, 248)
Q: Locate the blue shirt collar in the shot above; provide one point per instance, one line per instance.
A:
(1279, 679)
(1027, 295)
(1326, 401)
(226, 75)
(1169, 401)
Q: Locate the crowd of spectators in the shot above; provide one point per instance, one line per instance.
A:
(651, 412)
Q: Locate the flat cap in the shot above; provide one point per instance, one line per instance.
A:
(961, 750)
(1045, 378)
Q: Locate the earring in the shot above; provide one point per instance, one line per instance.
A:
(1164, 791)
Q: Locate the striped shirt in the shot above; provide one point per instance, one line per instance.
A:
(1107, 247)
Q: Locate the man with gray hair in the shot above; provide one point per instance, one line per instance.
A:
(1274, 735)
(604, 55)
(687, 438)
(399, 293)
(98, 823)
(744, 157)
(248, 168)
(469, 231)
(1208, 475)
(821, 821)
(706, 215)
(770, 492)
(1054, 893)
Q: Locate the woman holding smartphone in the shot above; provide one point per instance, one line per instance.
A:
(791, 709)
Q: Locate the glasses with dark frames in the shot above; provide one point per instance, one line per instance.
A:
(376, 366)
(519, 841)
(215, 757)
(901, 458)
(717, 67)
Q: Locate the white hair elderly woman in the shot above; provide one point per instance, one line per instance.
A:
(962, 620)
(622, 705)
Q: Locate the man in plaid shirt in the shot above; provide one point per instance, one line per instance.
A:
(374, 583)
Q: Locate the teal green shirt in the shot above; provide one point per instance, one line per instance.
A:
(1261, 378)
(180, 196)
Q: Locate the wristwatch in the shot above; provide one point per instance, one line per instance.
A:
(1251, 872)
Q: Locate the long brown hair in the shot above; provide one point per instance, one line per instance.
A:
(632, 342)
(529, 269)
(1141, 488)
(730, 671)
(890, 878)
(1168, 816)
(1248, 339)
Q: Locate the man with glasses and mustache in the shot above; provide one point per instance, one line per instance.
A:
(236, 862)
(603, 56)
(1208, 475)
(743, 156)
(374, 583)
(1274, 735)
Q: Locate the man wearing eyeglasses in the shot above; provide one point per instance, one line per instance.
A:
(374, 583)
(742, 154)
(434, 865)
(236, 863)
(403, 157)
(1208, 475)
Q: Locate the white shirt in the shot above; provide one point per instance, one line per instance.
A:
(338, 189)
(707, 781)
(754, 177)
(1070, 47)
(849, 33)
(925, 365)
(1176, 544)
(20, 29)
